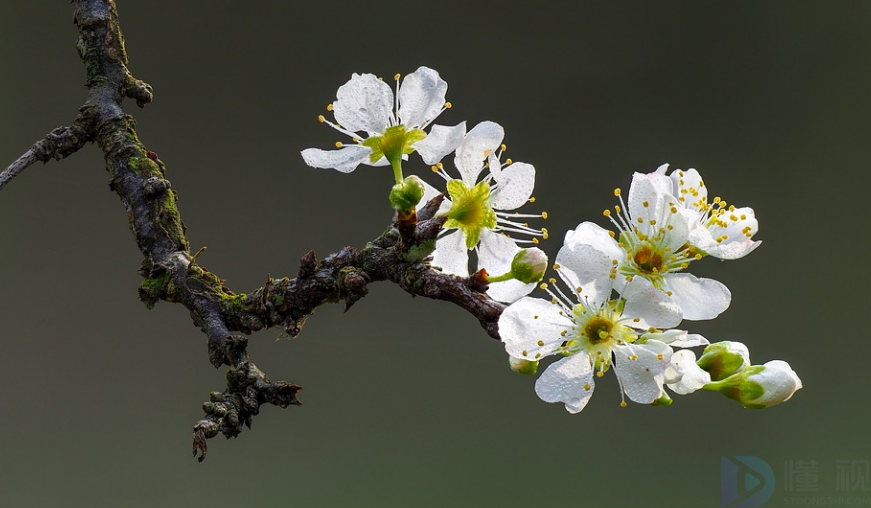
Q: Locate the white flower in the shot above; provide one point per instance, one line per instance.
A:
(716, 228)
(479, 211)
(594, 334)
(649, 253)
(385, 128)
(684, 376)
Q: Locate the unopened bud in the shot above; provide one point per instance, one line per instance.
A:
(406, 195)
(529, 265)
(760, 386)
(723, 359)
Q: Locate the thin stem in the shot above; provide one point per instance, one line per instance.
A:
(17, 167)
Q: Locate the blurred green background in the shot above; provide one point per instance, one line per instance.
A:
(407, 402)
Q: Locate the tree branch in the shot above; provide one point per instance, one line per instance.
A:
(58, 144)
(171, 273)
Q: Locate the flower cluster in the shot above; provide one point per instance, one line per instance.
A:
(481, 206)
(628, 288)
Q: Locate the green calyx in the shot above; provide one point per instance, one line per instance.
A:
(405, 196)
(740, 387)
(470, 211)
(665, 400)
(521, 366)
(721, 360)
(394, 143)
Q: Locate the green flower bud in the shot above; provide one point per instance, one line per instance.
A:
(723, 359)
(523, 366)
(529, 265)
(406, 195)
(760, 386)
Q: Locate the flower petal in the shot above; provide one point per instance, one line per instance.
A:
(647, 187)
(678, 338)
(597, 237)
(532, 326)
(698, 298)
(688, 184)
(735, 239)
(651, 306)
(683, 376)
(582, 266)
(421, 97)
(495, 254)
(451, 254)
(479, 143)
(364, 103)
(642, 378)
(345, 159)
(440, 141)
(569, 380)
(515, 184)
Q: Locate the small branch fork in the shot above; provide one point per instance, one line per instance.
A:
(171, 273)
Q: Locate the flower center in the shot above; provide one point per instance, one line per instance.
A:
(394, 143)
(648, 259)
(598, 330)
(470, 210)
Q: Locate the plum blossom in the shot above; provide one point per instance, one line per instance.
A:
(716, 228)
(480, 212)
(594, 333)
(385, 127)
(649, 253)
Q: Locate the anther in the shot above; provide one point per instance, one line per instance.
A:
(321, 118)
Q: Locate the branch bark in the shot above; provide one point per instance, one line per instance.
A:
(171, 272)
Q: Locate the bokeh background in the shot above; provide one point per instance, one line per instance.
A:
(406, 401)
